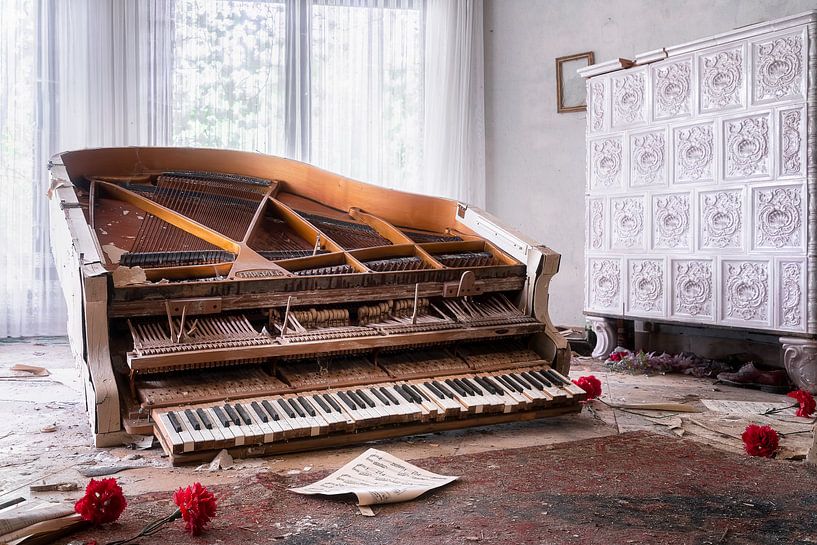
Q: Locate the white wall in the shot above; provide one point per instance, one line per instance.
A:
(535, 157)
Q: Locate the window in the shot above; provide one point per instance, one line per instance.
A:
(360, 75)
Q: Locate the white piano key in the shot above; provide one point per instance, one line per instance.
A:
(187, 438)
(169, 431)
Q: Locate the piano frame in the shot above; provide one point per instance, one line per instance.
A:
(92, 299)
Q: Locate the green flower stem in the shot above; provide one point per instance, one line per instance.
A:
(151, 528)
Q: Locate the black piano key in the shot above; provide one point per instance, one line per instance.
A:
(362, 395)
(326, 408)
(294, 404)
(332, 403)
(271, 410)
(192, 419)
(174, 422)
(405, 395)
(204, 419)
(513, 379)
(287, 409)
(556, 378)
(310, 410)
(419, 392)
(497, 388)
(433, 389)
(259, 411)
(389, 395)
(465, 387)
(380, 396)
(221, 416)
(408, 389)
(232, 414)
(473, 386)
(485, 384)
(532, 381)
(521, 381)
(242, 412)
(355, 399)
(349, 403)
(448, 393)
(542, 378)
(456, 387)
(505, 384)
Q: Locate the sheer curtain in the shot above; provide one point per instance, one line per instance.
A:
(454, 122)
(386, 91)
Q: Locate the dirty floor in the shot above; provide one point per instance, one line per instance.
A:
(604, 476)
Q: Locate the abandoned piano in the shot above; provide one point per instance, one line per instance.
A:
(223, 299)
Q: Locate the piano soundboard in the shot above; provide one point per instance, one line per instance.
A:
(222, 299)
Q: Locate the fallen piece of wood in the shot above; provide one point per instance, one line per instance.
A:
(54, 487)
(35, 370)
(671, 407)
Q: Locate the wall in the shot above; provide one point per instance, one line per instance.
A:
(535, 157)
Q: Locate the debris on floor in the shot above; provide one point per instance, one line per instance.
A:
(54, 487)
(22, 370)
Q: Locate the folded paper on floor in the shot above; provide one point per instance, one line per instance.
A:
(377, 477)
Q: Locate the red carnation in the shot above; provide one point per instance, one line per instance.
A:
(589, 384)
(615, 356)
(806, 401)
(760, 440)
(197, 506)
(103, 502)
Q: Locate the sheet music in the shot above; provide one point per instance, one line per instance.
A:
(748, 408)
(377, 477)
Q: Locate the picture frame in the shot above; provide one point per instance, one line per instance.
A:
(570, 88)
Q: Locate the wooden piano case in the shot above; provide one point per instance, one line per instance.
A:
(219, 283)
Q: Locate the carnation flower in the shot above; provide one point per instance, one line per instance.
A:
(197, 506)
(806, 402)
(589, 384)
(616, 356)
(103, 502)
(760, 440)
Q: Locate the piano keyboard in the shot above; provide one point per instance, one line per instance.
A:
(286, 421)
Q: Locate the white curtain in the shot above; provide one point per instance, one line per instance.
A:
(386, 91)
(454, 122)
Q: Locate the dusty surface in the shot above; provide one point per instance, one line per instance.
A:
(30, 455)
(596, 491)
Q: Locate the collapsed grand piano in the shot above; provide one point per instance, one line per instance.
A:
(222, 299)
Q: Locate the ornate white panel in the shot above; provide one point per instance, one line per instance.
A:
(628, 225)
(720, 223)
(779, 68)
(604, 284)
(692, 295)
(790, 294)
(606, 163)
(778, 215)
(596, 224)
(648, 158)
(700, 173)
(672, 89)
(791, 138)
(745, 291)
(629, 98)
(722, 79)
(646, 287)
(672, 221)
(694, 153)
(747, 147)
(597, 105)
